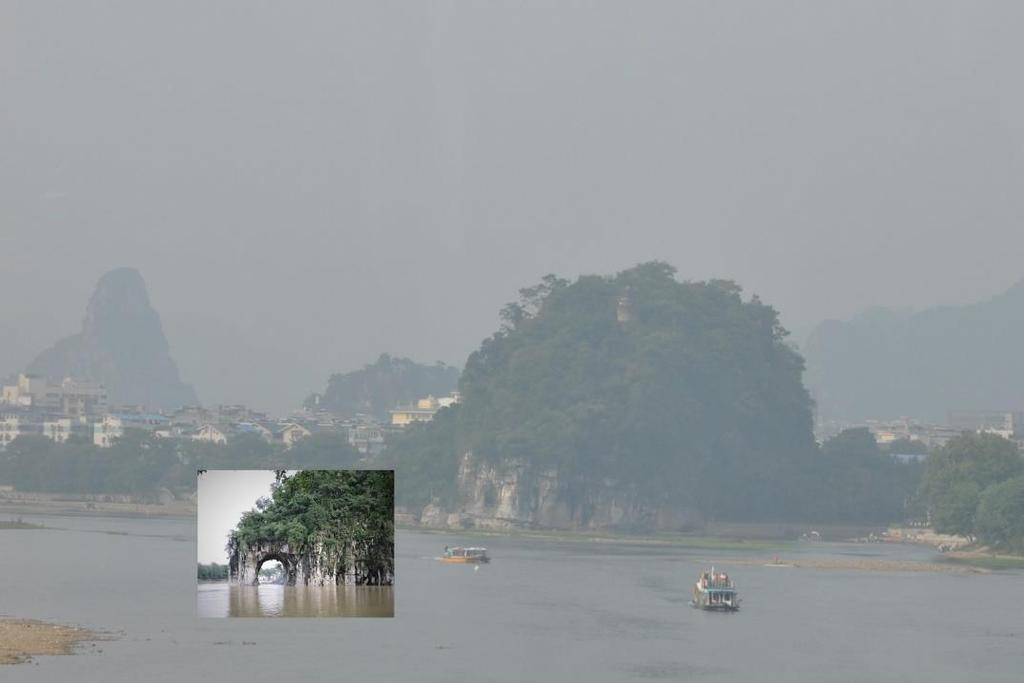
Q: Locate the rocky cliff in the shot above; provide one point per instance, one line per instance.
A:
(510, 496)
(315, 565)
(122, 345)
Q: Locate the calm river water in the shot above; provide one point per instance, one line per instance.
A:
(222, 599)
(542, 611)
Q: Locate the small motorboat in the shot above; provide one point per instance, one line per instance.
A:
(460, 555)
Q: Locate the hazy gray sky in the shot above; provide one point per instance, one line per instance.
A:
(223, 495)
(305, 185)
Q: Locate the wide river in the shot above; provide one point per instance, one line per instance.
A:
(541, 611)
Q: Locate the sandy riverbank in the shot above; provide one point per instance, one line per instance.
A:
(67, 504)
(857, 563)
(21, 639)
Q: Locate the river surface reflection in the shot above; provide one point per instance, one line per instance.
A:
(222, 599)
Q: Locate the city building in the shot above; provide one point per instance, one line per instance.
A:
(367, 437)
(422, 410)
(113, 427)
(291, 433)
(1003, 423)
(217, 434)
(14, 425)
(81, 398)
(33, 391)
(62, 429)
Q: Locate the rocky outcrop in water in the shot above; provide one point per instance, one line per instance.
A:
(326, 527)
(315, 565)
(122, 345)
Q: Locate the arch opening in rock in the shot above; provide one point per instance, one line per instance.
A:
(274, 569)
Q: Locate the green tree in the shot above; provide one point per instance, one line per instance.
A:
(1000, 517)
(956, 474)
(213, 572)
(862, 482)
(323, 449)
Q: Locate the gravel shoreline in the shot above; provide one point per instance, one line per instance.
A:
(22, 639)
(56, 504)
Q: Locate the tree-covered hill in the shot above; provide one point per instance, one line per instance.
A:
(673, 393)
(377, 388)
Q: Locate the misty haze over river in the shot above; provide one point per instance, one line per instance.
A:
(550, 610)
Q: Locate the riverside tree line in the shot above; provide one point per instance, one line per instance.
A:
(141, 464)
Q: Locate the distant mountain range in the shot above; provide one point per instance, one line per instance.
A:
(122, 345)
(886, 364)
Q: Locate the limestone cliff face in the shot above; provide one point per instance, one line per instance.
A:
(507, 495)
(122, 345)
(312, 566)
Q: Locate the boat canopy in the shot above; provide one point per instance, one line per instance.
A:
(467, 552)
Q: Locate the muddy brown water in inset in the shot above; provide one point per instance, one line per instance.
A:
(223, 599)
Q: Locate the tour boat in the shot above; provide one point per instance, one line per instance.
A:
(715, 591)
(465, 555)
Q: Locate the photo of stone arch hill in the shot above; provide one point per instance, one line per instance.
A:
(298, 543)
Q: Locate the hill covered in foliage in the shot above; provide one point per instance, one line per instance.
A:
(377, 388)
(635, 391)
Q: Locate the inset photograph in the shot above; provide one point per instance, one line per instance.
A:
(296, 543)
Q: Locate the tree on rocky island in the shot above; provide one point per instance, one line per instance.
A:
(323, 526)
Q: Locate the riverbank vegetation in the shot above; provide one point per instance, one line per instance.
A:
(974, 487)
(213, 572)
(141, 464)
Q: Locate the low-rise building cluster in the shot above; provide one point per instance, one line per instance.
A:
(76, 408)
(1007, 424)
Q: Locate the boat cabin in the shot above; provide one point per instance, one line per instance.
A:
(715, 591)
(460, 554)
